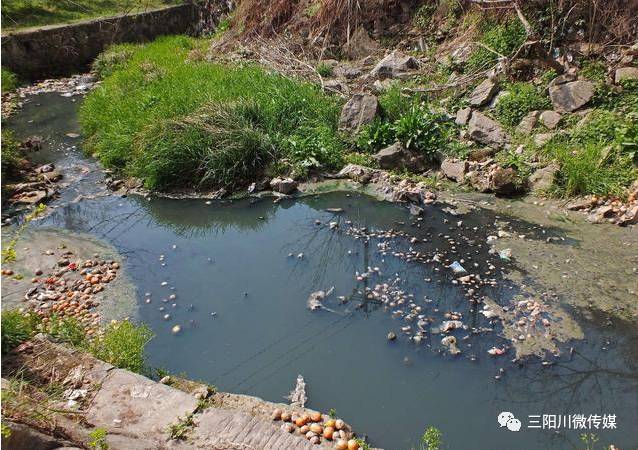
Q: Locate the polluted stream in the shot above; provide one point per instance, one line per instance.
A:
(400, 341)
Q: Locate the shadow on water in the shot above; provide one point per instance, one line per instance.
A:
(241, 289)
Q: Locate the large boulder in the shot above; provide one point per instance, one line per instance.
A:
(454, 169)
(568, 97)
(394, 65)
(486, 131)
(360, 44)
(361, 109)
(625, 73)
(396, 156)
(483, 93)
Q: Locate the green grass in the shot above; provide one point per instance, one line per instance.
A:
(122, 344)
(27, 13)
(8, 80)
(217, 125)
(520, 99)
(598, 157)
(503, 38)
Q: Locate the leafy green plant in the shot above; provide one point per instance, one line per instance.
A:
(8, 81)
(520, 99)
(11, 155)
(499, 38)
(432, 439)
(122, 344)
(98, 439)
(67, 329)
(332, 413)
(594, 70)
(375, 136)
(423, 131)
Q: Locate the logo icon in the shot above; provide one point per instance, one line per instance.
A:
(507, 419)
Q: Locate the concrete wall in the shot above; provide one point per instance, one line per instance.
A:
(60, 50)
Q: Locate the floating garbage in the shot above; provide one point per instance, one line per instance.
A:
(495, 351)
(316, 298)
(450, 342)
(505, 254)
(176, 329)
(457, 268)
(450, 325)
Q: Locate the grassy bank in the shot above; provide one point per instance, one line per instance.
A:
(28, 13)
(166, 115)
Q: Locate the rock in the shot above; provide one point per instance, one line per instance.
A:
(568, 97)
(486, 131)
(504, 181)
(550, 119)
(348, 72)
(483, 93)
(380, 86)
(360, 174)
(391, 336)
(625, 73)
(481, 154)
(562, 79)
(543, 179)
(334, 86)
(630, 217)
(396, 156)
(45, 168)
(51, 176)
(283, 185)
(393, 65)
(479, 180)
(361, 109)
(32, 143)
(30, 198)
(454, 169)
(580, 203)
(528, 122)
(543, 138)
(600, 214)
(360, 44)
(463, 116)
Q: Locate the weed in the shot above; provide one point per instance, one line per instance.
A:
(594, 70)
(375, 136)
(98, 439)
(5, 431)
(520, 99)
(11, 157)
(67, 329)
(423, 131)
(502, 38)
(122, 344)
(432, 439)
(325, 70)
(332, 413)
(179, 431)
(361, 159)
(112, 59)
(8, 81)
(222, 27)
(8, 253)
(17, 328)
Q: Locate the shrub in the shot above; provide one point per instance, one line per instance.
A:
(503, 38)
(8, 80)
(122, 345)
(423, 131)
(520, 99)
(17, 328)
(196, 106)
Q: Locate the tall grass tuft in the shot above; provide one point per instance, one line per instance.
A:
(177, 122)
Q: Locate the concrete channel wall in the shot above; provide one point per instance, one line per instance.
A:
(61, 50)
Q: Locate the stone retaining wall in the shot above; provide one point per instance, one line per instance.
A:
(61, 50)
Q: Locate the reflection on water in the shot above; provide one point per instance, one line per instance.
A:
(241, 300)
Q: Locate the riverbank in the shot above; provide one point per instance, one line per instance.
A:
(97, 404)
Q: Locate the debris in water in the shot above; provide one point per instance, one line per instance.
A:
(505, 254)
(495, 351)
(391, 336)
(457, 268)
(316, 298)
(297, 396)
(176, 329)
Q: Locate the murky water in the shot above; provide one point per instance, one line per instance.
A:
(241, 288)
